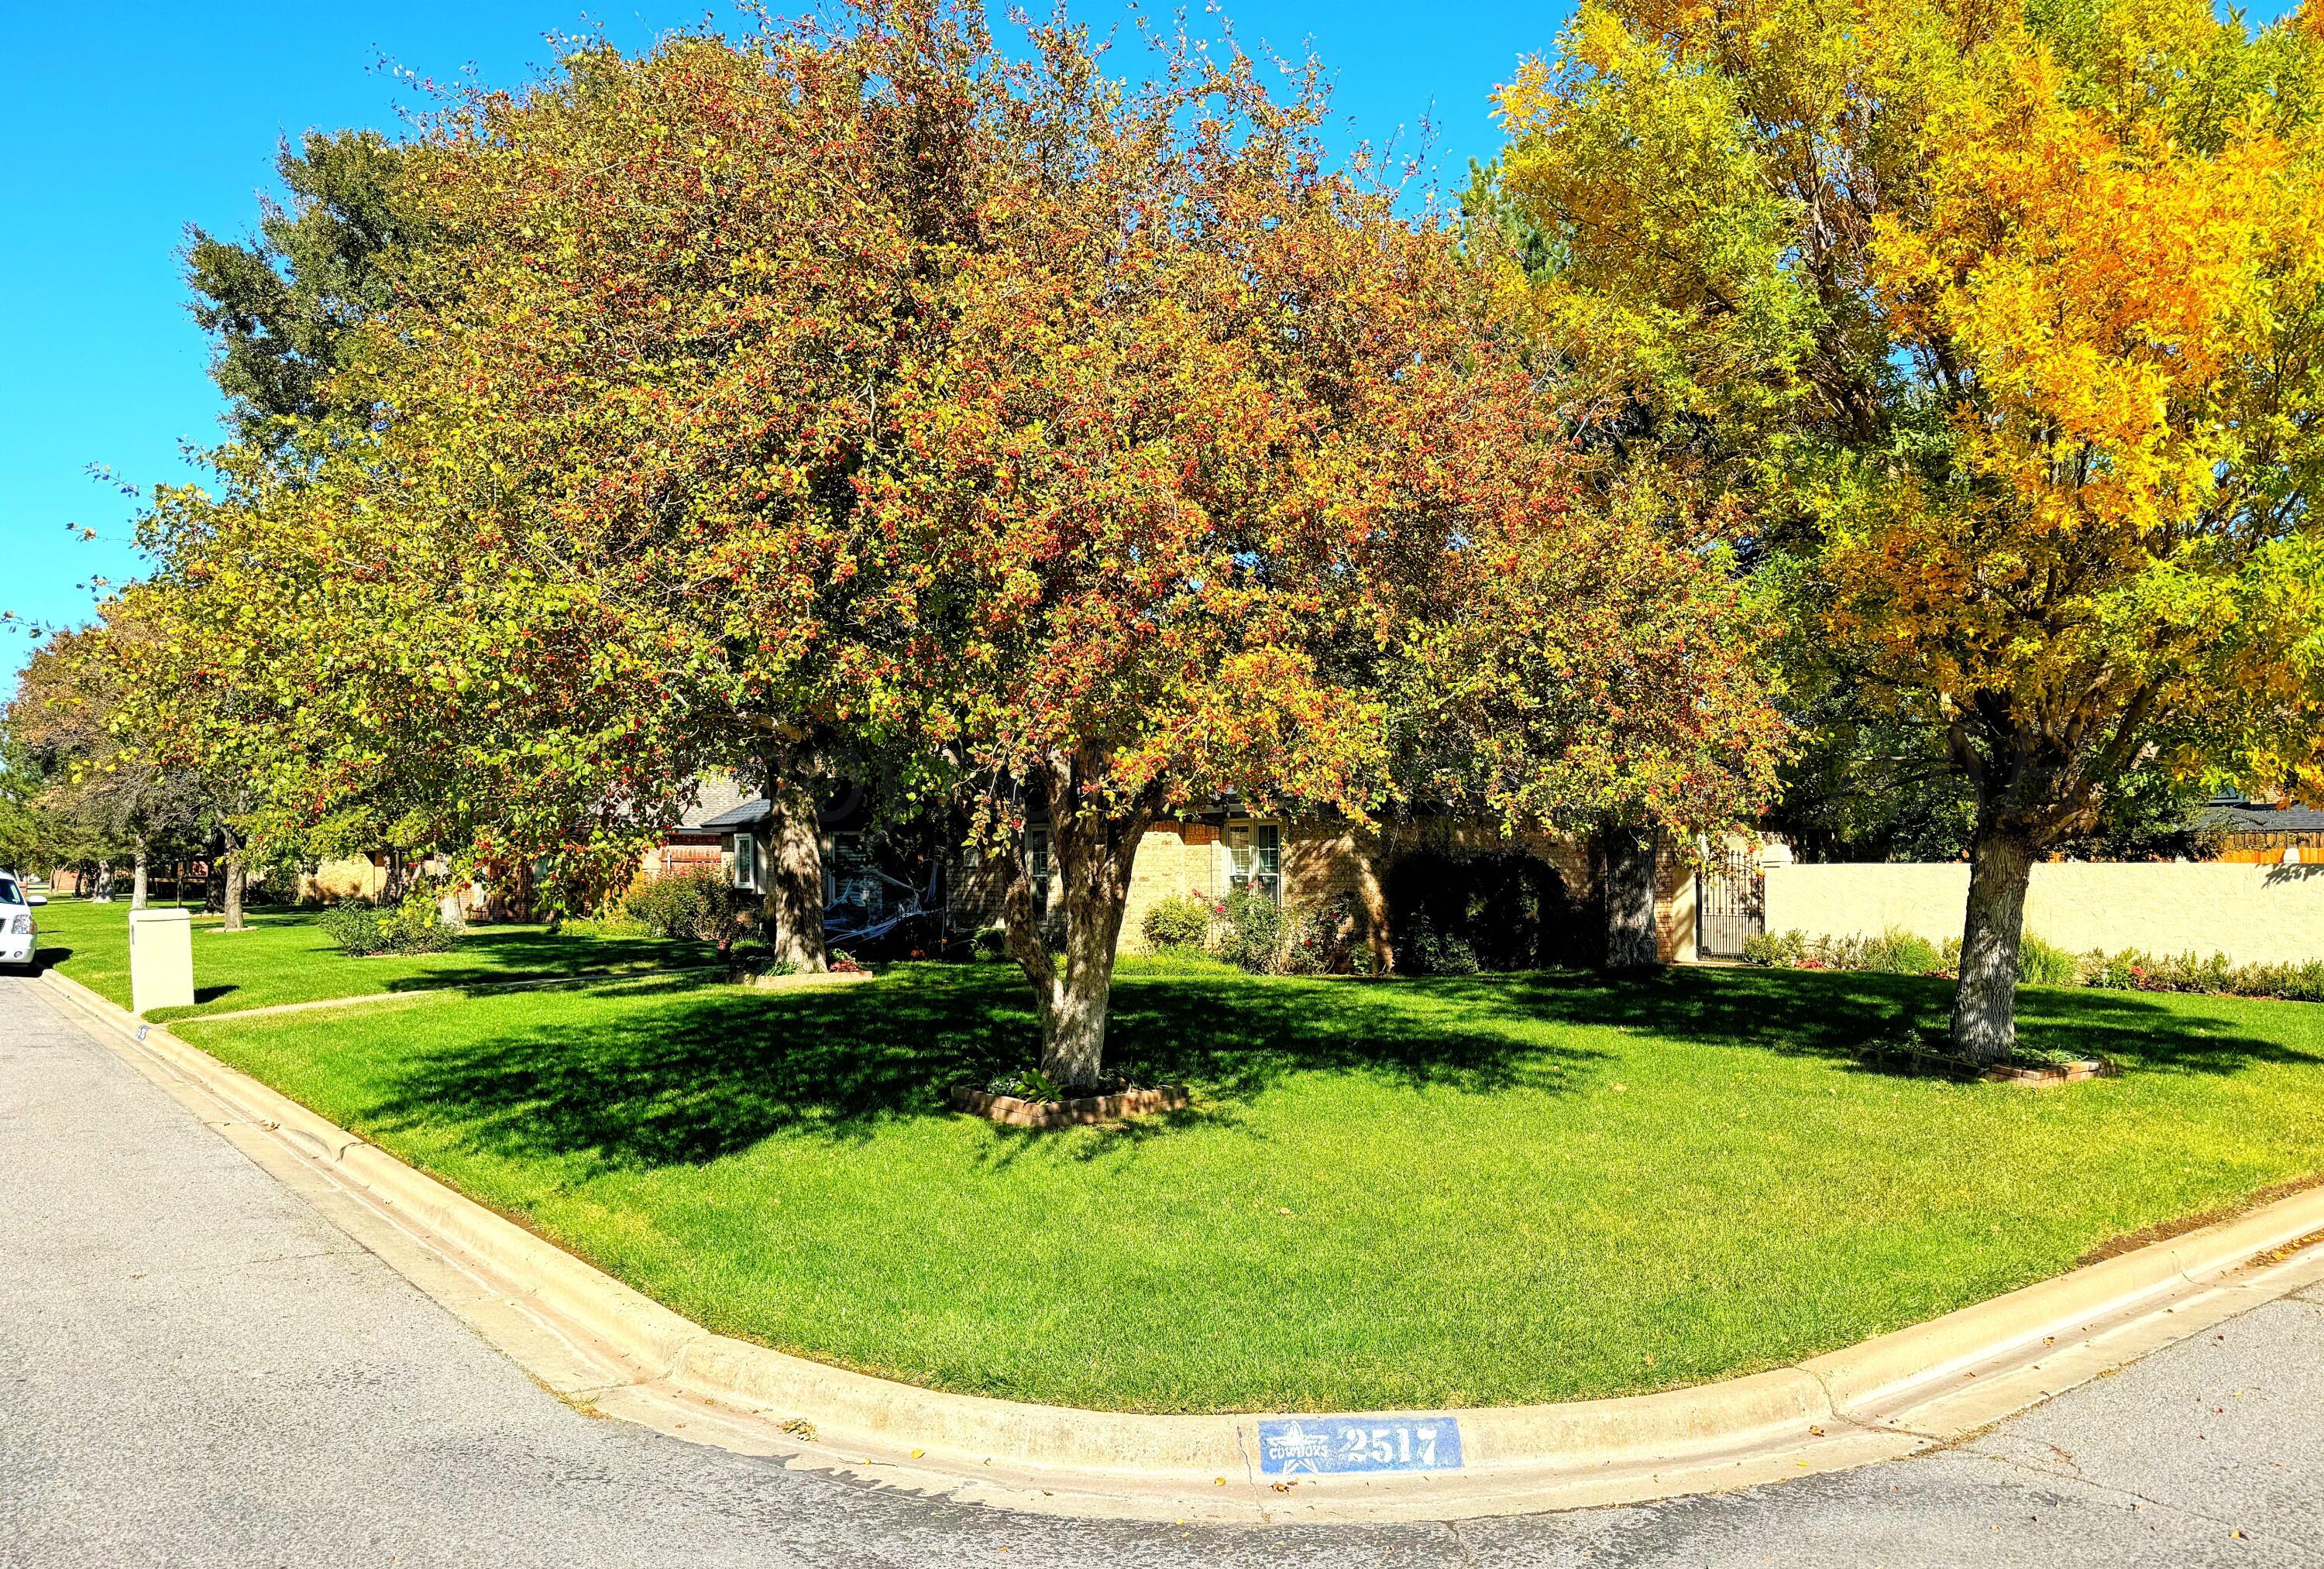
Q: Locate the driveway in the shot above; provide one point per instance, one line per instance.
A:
(196, 1368)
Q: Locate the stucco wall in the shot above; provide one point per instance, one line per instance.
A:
(2254, 914)
(346, 877)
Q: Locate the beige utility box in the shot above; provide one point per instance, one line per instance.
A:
(161, 959)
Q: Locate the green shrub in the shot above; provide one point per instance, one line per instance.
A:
(2043, 964)
(1496, 910)
(1775, 950)
(416, 925)
(1896, 952)
(1181, 921)
(1426, 950)
(354, 927)
(989, 945)
(700, 903)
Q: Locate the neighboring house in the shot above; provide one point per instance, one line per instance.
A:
(869, 888)
(2272, 834)
(695, 840)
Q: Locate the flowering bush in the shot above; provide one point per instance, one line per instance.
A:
(699, 903)
(1251, 934)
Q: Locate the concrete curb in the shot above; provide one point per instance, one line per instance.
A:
(602, 1345)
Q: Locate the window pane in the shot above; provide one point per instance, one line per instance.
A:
(1037, 857)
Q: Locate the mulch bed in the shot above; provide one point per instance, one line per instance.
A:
(1009, 1111)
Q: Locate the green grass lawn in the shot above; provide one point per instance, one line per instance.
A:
(284, 958)
(1411, 1193)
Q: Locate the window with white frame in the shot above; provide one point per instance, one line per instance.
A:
(1036, 867)
(747, 863)
(1255, 859)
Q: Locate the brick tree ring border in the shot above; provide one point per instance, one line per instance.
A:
(615, 1351)
(2048, 1075)
(1012, 1112)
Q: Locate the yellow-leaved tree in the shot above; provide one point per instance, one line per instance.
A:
(2004, 334)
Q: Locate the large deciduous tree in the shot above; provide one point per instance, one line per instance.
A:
(95, 793)
(632, 400)
(2003, 337)
(1222, 483)
(284, 306)
(863, 393)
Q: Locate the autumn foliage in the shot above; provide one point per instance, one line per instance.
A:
(861, 399)
(2000, 340)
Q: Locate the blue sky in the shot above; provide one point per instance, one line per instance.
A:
(127, 123)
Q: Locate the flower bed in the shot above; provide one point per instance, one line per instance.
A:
(2039, 963)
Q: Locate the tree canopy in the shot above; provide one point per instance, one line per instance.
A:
(860, 396)
(1999, 337)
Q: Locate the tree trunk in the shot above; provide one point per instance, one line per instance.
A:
(1089, 864)
(234, 881)
(138, 879)
(1985, 997)
(1630, 857)
(1373, 900)
(793, 901)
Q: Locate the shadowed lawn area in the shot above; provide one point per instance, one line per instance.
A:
(285, 957)
(1410, 1193)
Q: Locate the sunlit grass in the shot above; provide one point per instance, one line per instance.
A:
(1407, 1193)
(284, 957)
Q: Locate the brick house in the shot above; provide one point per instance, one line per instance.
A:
(1303, 862)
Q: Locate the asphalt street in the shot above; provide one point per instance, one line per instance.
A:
(196, 1368)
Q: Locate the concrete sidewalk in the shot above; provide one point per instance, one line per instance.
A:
(195, 1368)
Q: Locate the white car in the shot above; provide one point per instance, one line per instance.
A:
(20, 934)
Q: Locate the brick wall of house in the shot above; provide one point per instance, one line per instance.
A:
(1325, 860)
(1174, 859)
(974, 892)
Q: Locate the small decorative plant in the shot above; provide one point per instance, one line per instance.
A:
(1028, 1084)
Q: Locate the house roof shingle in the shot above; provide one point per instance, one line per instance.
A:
(2249, 817)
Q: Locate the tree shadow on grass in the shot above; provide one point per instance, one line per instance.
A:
(704, 1071)
(1849, 1017)
(495, 957)
(699, 1071)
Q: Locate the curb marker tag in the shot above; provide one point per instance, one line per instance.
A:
(1324, 1445)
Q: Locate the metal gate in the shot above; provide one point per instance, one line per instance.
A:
(1729, 901)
